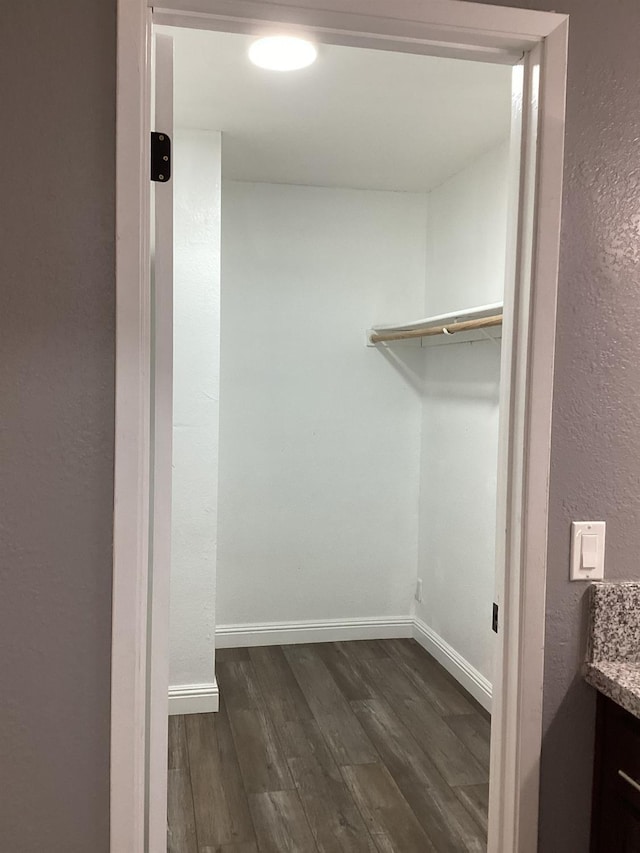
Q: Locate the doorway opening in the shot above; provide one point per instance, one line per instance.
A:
(340, 253)
(535, 45)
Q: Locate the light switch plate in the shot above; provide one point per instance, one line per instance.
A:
(587, 550)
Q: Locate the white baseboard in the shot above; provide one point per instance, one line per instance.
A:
(326, 631)
(193, 699)
(469, 677)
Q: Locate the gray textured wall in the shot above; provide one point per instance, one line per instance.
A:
(56, 386)
(57, 90)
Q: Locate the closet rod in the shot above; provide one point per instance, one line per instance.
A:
(429, 331)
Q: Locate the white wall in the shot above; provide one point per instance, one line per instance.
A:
(345, 472)
(466, 252)
(196, 392)
(466, 235)
(319, 435)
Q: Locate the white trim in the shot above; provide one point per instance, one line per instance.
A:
(524, 610)
(323, 631)
(161, 444)
(418, 38)
(479, 18)
(128, 817)
(438, 27)
(466, 675)
(194, 699)
(450, 26)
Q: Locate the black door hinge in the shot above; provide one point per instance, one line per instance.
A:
(160, 157)
(494, 618)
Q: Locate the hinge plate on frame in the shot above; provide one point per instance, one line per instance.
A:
(494, 618)
(160, 157)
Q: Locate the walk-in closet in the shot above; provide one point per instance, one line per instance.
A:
(340, 246)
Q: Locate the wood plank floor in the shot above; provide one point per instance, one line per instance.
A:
(358, 747)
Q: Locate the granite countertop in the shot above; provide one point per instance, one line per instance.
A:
(613, 657)
(618, 681)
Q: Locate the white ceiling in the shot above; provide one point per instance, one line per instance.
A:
(356, 118)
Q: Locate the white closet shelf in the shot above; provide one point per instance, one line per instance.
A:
(470, 324)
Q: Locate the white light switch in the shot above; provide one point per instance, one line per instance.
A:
(587, 550)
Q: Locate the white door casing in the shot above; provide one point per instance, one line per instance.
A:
(161, 439)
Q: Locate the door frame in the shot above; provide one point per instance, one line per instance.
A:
(536, 40)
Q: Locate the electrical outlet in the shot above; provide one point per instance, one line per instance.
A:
(419, 590)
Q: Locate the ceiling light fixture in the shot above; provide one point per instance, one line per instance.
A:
(282, 53)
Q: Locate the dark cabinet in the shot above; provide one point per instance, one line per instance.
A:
(616, 788)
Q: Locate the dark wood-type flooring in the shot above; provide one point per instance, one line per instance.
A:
(366, 747)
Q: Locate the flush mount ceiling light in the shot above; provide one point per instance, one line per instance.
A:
(282, 53)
